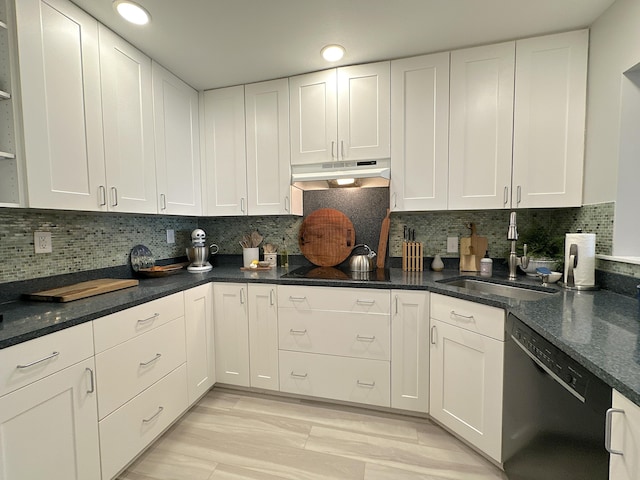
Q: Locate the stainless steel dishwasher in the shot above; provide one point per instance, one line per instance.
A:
(553, 412)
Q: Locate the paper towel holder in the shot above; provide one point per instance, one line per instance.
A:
(573, 262)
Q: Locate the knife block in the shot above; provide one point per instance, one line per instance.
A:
(412, 260)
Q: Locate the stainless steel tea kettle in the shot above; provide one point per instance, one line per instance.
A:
(362, 263)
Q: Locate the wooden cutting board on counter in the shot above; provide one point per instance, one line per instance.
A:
(326, 237)
(81, 290)
(472, 249)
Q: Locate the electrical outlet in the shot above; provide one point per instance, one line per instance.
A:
(171, 235)
(452, 244)
(42, 242)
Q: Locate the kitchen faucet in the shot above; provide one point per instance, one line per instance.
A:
(514, 260)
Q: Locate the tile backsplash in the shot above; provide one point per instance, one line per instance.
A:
(86, 241)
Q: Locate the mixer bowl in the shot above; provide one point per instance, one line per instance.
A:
(198, 256)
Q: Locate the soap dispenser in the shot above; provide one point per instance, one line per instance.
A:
(486, 266)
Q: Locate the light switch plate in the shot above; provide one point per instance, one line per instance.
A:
(452, 244)
(42, 242)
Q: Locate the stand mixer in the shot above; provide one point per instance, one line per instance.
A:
(198, 252)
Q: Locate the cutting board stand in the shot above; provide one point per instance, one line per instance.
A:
(412, 260)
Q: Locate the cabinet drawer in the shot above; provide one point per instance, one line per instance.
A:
(119, 327)
(358, 335)
(128, 430)
(340, 378)
(363, 300)
(127, 369)
(471, 316)
(27, 362)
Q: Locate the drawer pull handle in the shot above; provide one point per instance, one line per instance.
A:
(150, 319)
(607, 431)
(297, 332)
(433, 335)
(150, 419)
(298, 375)
(271, 302)
(366, 384)
(48, 357)
(364, 338)
(154, 359)
(92, 387)
(455, 315)
(365, 302)
(297, 299)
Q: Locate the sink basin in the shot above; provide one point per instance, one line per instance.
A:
(510, 291)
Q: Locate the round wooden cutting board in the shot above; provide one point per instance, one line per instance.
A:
(326, 237)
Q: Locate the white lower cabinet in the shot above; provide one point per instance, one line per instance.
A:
(263, 336)
(466, 371)
(625, 439)
(132, 427)
(49, 429)
(231, 334)
(198, 317)
(410, 350)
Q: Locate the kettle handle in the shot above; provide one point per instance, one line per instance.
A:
(370, 253)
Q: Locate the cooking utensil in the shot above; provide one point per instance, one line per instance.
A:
(384, 238)
(326, 237)
(82, 290)
(362, 263)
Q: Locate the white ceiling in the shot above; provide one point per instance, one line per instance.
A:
(216, 43)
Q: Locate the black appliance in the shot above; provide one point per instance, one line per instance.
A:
(336, 273)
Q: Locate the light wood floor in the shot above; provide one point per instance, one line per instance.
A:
(231, 435)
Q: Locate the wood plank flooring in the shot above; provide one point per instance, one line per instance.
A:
(232, 435)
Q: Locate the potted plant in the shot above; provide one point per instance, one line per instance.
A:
(545, 245)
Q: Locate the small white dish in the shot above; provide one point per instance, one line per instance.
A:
(554, 277)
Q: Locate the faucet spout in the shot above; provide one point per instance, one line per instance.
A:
(514, 260)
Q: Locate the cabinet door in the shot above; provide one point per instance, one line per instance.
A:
(481, 127)
(410, 351)
(466, 385)
(177, 141)
(128, 125)
(231, 333)
(51, 427)
(625, 438)
(62, 112)
(549, 119)
(314, 117)
(268, 158)
(363, 112)
(263, 336)
(420, 132)
(225, 155)
(198, 315)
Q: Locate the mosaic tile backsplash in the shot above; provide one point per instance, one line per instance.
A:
(87, 241)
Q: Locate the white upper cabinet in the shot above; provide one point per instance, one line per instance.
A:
(267, 146)
(177, 134)
(224, 151)
(128, 125)
(549, 120)
(340, 114)
(420, 132)
(62, 113)
(481, 127)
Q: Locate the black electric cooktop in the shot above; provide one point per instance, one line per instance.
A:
(338, 273)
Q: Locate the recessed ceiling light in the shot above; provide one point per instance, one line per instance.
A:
(332, 53)
(132, 12)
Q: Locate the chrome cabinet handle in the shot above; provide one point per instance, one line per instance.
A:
(114, 194)
(297, 332)
(298, 375)
(366, 384)
(297, 299)
(432, 335)
(607, 431)
(154, 359)
(395, 200)
(505, 199)
(519, 195)
(332, 147)
(150, 319)
(147, 420)
(242, 296)
(92, 388)
(396, 304)
(365, 338)
(342, 149)
(287, 203)
(242, 204)
(365, 302)
(455, 315)
(271, 302)
(163, 197)
(48, 357)
(102, 191)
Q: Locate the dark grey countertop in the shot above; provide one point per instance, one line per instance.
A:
(601, 329)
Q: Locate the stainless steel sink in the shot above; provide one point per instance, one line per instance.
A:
(510, 291)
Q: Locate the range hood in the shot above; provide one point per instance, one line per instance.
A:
(320, 176)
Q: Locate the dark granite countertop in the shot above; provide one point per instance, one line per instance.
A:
(601, 329)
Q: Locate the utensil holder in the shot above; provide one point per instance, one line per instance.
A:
(412, 260)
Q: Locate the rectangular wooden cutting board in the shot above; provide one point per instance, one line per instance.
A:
(81, 290)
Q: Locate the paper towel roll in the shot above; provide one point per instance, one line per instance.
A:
(585, 271)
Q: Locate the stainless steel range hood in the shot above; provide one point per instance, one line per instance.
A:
(320, 176)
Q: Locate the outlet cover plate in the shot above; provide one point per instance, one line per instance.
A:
(42, 242)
